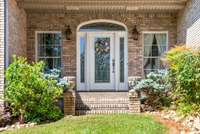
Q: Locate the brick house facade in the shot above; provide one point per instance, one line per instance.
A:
(23, 18)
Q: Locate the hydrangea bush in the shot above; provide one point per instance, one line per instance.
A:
(157, 81)
(154, 89)
(54, 74)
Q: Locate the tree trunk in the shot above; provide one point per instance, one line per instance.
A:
(21, 118)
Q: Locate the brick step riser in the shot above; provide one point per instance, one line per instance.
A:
(102, 93)
(114, 99)
(100, 96)
(101, 103)
(101, 107)
(101, 99)
(83, 112)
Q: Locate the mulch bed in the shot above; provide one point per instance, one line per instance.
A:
(177, 124)
(174, 127)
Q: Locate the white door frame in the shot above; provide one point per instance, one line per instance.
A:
(86, 86)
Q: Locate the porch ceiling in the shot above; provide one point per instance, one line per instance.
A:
(119, 5)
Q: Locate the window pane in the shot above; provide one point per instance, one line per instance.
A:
(148, 39)
(162, 50)
(57, 63)
(82, 58)
(53, 51)
(151, 63)
(161, 39)
(51, 63)
(49, 49)
(57, 39)
(41, 51)
(48, 63)
(122, 59)
(151, 51)
(155, 45)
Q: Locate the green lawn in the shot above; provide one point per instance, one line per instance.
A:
(98, 124)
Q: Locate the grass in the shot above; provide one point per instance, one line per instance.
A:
(98, 124)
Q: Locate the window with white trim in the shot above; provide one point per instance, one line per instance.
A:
(49, 49)
(155, 45)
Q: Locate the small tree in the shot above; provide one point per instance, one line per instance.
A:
(31, 96)
(184, 73)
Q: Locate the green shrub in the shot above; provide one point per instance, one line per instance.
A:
(31, 96)
(184, 74)
(154, 89)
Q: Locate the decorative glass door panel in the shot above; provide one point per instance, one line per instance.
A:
(102, 60)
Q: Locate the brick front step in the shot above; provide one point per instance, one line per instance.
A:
(102, 105)
(101, 99)
(102, 94)
(101, 102)
(81, 103)
(83, 112)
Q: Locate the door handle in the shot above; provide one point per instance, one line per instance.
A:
(113, 65)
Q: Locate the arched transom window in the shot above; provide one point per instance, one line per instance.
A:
(101, 26)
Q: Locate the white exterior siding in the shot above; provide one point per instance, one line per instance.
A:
(193, 35)
(188, 28)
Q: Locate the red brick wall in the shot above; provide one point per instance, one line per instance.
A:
(17, 30)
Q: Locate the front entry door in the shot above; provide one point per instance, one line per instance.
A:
(102, 61)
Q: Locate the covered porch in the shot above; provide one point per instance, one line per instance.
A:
(69, 23)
